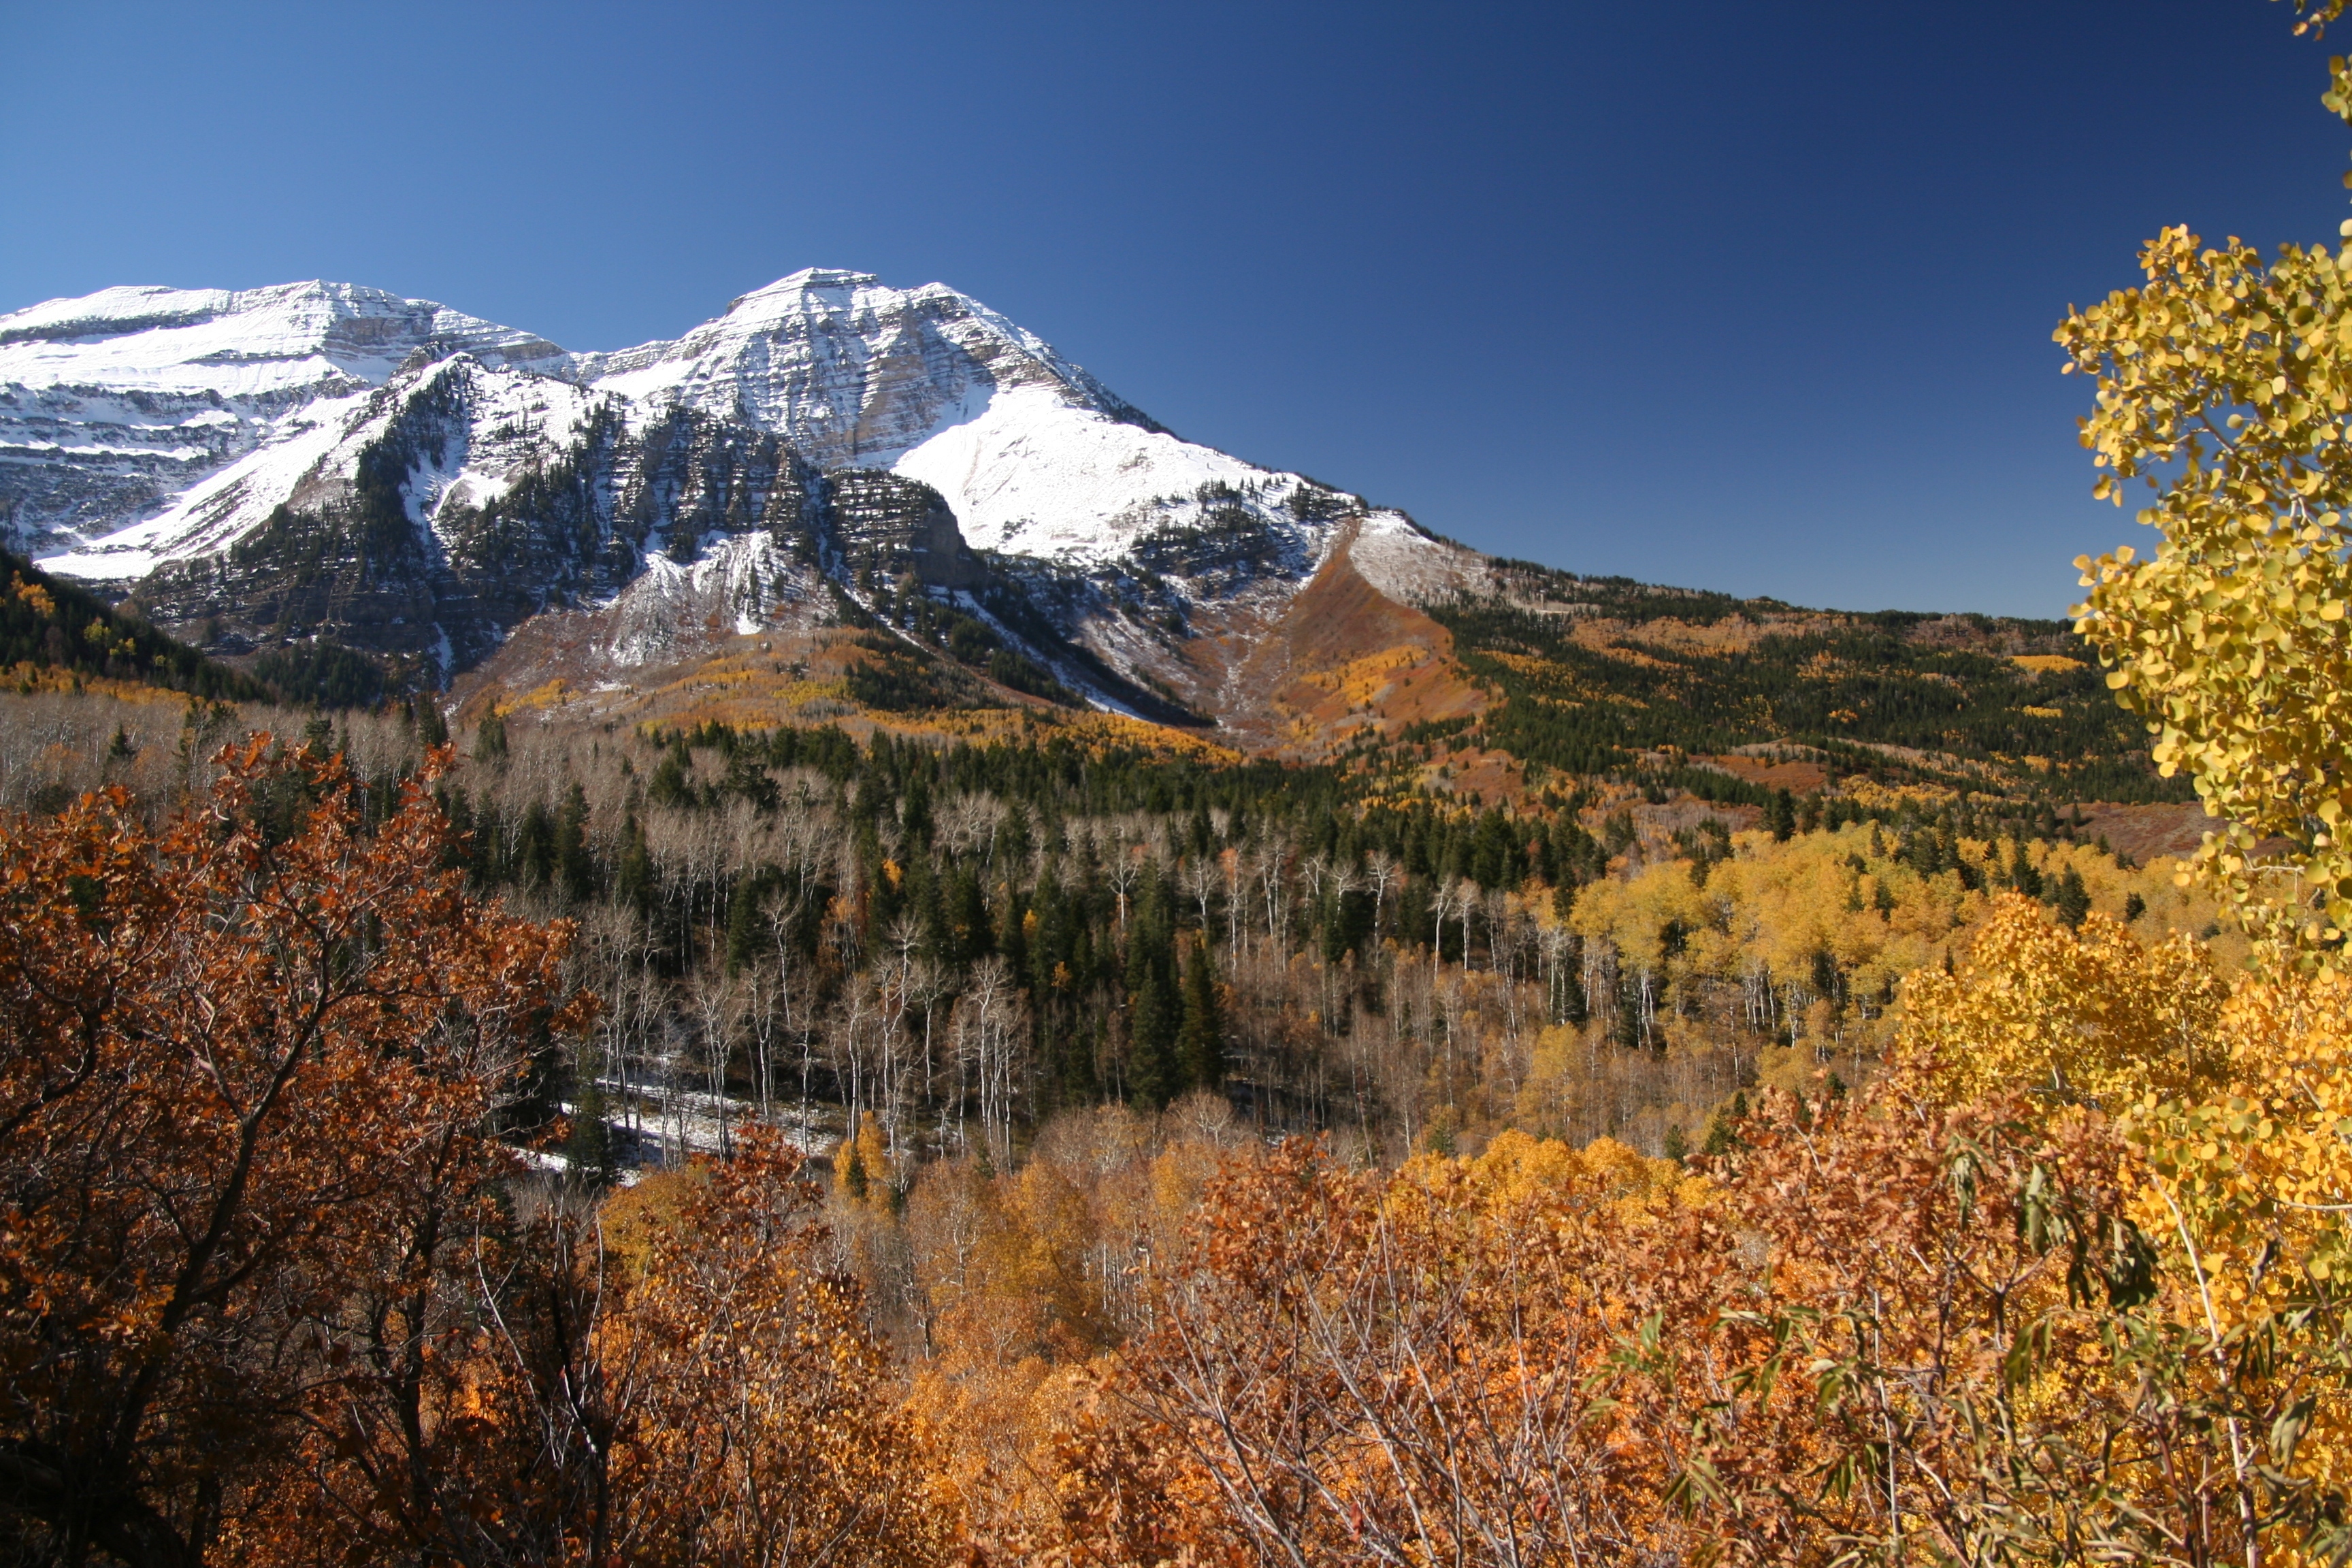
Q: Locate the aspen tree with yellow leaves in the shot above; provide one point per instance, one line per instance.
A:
(2224, 385)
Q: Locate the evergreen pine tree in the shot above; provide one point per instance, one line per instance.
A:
(967, 918)
(1049, 944)
(742, 924)
(1079, 1082)
(1154, 1075)
(2072, 899)
(1201, 1040)
(2024, 874)
(491, 738)
(589, 1149)
(914, 809)
(1012, 938)
(669, 785)
(572, 861)
(1723, 1129)
(535, 850)
(633, 877)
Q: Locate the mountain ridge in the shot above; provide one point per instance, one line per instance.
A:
(837, 495)
(327, 460)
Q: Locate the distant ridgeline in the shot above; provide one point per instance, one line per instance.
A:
(50, 624)
(1595, 672)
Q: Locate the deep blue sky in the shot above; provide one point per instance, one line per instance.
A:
(1746, 296)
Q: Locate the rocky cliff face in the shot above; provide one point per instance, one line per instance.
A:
(324, 462)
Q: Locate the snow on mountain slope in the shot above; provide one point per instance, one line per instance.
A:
(852, 373)
(1035, 456)
(191, 406)
(221, 507)
(512, 420)
(230, 453)
(242, 343)
(140, 425)
(114, 405)
(1032, 475)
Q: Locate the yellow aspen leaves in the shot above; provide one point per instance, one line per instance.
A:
(2227, 639)
(2096, 1018)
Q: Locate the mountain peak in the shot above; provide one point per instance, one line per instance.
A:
(258, 387)
(809, 277)
(788, 292)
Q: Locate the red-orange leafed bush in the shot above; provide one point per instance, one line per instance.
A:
(1884, 1332)
(1903, 1355)
(244, 1085)
(761, 1426)
(1347, 1368)
(673, 1380)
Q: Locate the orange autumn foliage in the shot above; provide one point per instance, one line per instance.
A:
(274, 1291)
(760, 1424)
(240, 1082)
(1893, 1329)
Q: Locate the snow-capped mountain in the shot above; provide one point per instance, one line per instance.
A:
(114, 406)
(323, 460)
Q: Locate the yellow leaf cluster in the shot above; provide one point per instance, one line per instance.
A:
(2226, 384)
(2096, 1017)
(2236, 1102)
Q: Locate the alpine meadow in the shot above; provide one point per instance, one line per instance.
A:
(821, 943)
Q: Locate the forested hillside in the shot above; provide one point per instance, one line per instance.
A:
(860, 923)
(47, 625)
(1596, 674)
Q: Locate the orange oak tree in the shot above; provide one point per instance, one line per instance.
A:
(245, 1082)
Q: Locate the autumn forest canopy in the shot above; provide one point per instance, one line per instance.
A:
(1715, 1084)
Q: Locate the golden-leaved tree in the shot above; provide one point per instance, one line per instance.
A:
(2225, 383)
(2226, 1360)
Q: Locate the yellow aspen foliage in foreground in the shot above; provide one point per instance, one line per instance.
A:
(2223, 384)
(2096, 1018)
(2231, 1104)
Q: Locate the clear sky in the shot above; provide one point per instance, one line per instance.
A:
(1746, 297)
